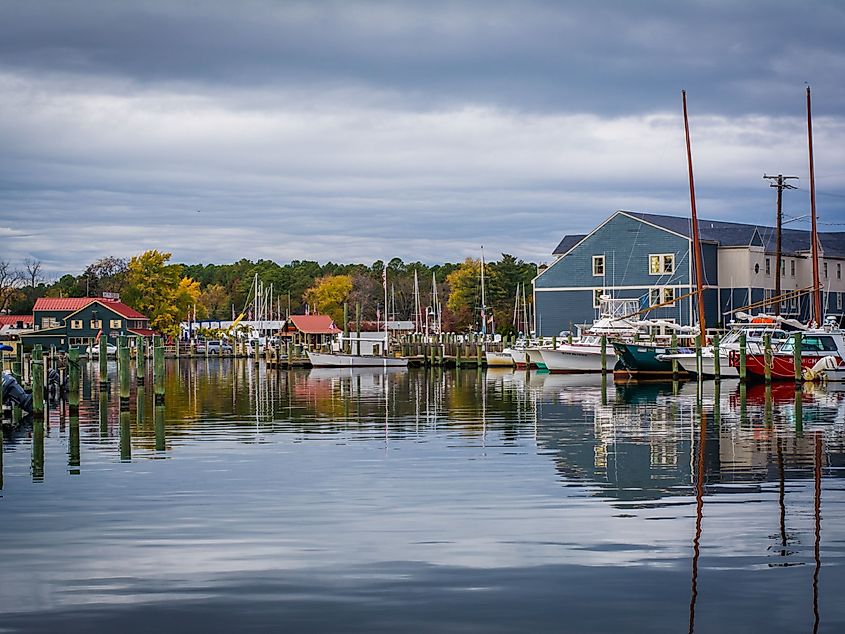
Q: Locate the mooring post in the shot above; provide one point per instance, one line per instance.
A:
(554, 342)
(158, 418)
(73, 379)
(103, 359)
(16, 372)
(767, 356)
(140, 359)
(796, 358)
(346, 347)
(717, 361)
(674, 350)
(158, 369)
(37, 374)
(37, 449)
(73, 454)
(123, 370)
(358, 329)
(743, 353)
(479, 356)
(604, 355)
(125, 435)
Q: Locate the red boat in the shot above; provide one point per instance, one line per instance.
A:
(814, 346)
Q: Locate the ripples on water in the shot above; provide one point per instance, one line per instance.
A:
(418, 501)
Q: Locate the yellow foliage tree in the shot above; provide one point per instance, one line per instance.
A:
(158, 290)
(464, 291)
(328, 293)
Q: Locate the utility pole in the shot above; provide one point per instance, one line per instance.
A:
(780, 184)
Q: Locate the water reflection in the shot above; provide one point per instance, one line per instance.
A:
(469, 490)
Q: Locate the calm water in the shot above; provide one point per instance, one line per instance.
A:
(420, 501)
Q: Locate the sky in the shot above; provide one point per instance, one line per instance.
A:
(355, 131)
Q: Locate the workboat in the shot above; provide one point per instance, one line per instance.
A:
(822, 356)
(340, 360)
(499, 359)
(754, 337)
(584, 353)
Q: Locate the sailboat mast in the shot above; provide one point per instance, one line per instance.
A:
(814, 235)
(695, 237)
(483, 305)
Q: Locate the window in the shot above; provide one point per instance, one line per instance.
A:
(838, 271)
(653, 296)
(839, 301)
(76, 324)
(96, 324)
(49, 322)
(669, 295)
(598, 265)
(661, 263)
(792, 268)
(825, 269)
(768, 266)
(597, 293)
(757, 269)
(114, 323)
(782, 267)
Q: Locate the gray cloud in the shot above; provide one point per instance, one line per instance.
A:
(354, 131)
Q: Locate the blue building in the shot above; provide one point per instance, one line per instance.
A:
(649, 257)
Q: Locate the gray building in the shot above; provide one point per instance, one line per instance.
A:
(648, 257)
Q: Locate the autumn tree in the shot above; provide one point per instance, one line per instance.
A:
(464, 293)
(215, 301)
(328, 294)
(158, 290)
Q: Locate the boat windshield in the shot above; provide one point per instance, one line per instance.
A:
(811, 343)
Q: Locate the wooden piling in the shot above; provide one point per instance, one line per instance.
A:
(103, 359)
(346, 346)
(158, 369)
(37, 449)
(674, 350)
(37, 374)
(604, 355)
(140, 359)
(358, 329)
(73, 378)
(699, 361)
(796, 358)
(717, 361)
(159, 427)
(767, 357)
(743, 354)
(123, 370)
(125, 436)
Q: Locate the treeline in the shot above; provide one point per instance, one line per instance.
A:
(169, 292)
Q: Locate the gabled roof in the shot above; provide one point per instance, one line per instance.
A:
(733, 234)
(568, 242)
(314, 324)
(12, 320)
(73, 304)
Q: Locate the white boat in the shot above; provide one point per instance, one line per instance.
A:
(499, 359)
(519, 356)
(340, 360)
(577, 357)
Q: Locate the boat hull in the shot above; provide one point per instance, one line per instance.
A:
(499, 359)
(571, 359)
(643, 362)
(329, 360)
(783, 366)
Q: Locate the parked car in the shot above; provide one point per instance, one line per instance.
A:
(216, 347)
(111, 350)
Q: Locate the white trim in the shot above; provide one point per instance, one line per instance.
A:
(595, 259)
(614, 288)
(651, 224)
(662, 256)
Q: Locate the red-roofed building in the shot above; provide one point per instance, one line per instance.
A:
(310, 330)
(75, 322)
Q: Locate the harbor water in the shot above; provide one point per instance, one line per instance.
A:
(425, 500)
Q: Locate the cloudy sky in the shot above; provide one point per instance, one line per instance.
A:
(351, 131)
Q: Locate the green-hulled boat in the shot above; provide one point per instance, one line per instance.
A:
(641, 361)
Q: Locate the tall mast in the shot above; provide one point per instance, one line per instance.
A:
(695, 237)
(780, 184)
(483, 304)
(417, 311)
(814, 234)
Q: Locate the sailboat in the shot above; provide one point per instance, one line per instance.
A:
(823, 347)
(343, 360)
(493, 359)
(636, 360)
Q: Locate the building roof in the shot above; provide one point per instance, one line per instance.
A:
(568, 242)
(12, 320)
(72, 304)
(733, 234)
(144, 332)
(315, 324)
